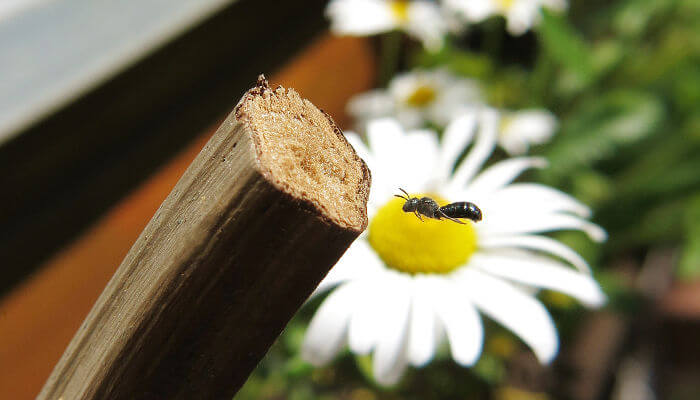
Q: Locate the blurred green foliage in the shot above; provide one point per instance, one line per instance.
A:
(624, 79)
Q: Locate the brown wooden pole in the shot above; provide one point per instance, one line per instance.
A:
(265, 210)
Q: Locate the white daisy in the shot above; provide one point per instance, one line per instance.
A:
(520, 15)
(405, 285)
(415, 97)
(520, 129)
(421, 19)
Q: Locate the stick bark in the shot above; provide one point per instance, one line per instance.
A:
(262, 214)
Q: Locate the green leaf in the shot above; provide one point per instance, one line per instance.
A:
(364, 365)
(464, 63)
(689, 264)
(634, 17)
(490, 369)
(644, 224)
(600, 127)
(592, 187)
(565, 46)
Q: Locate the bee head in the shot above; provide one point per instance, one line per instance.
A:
(411, 204)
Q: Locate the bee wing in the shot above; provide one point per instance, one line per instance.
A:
(450, 218)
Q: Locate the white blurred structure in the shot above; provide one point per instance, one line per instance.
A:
(55, 50)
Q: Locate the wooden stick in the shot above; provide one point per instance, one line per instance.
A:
(266, 209)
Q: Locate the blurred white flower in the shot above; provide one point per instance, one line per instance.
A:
(416, 97)
(438, 96)
(520, 15)
(520, 129)
(421, 19)
(405, 285)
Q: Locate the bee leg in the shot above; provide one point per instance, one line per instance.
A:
(450, 218)
(418, 215)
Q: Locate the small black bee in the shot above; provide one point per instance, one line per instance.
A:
(429, 208)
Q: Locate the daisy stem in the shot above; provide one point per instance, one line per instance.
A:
(389, 57)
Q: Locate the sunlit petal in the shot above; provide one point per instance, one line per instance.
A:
(539, 243)
(327, 330)
(499, 175)
(462, 325)
(517, 311)
(539, 198)
(423, 326)
(485, 142)
(390, 354)
(457, 136)
(535, 223)
(367, 316)
(414, 175)
(546, 274)
(359, 261)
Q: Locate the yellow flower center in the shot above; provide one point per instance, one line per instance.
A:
(422, 96)
(504, 124)
(406, 244)
(504, 5)
(400, 10)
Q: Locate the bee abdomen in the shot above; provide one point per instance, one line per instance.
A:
(462, 209)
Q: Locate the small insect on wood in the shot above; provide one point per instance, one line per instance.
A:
(427, 207)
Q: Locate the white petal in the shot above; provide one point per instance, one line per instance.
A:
(556, 5)
(456, 94)
(390, 355)
(384, 136)
(368, 315)
(359, 261)
(426, 23)
(423, 325)
(381, 187)
(539, 243)
(365, 154)
(526, 197)
(502, 173)
(409, 117)
(513, 309)
(462, 325)
(373, 104)
(419, 150)
(542, 273)
(457, 136)
(360, 17)
(522, 128)
(360, 148)
(327, 330)
(522, 16)
(474, 11)
(483, 147)
(534, 223)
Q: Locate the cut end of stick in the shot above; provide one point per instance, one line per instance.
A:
(302, 151)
